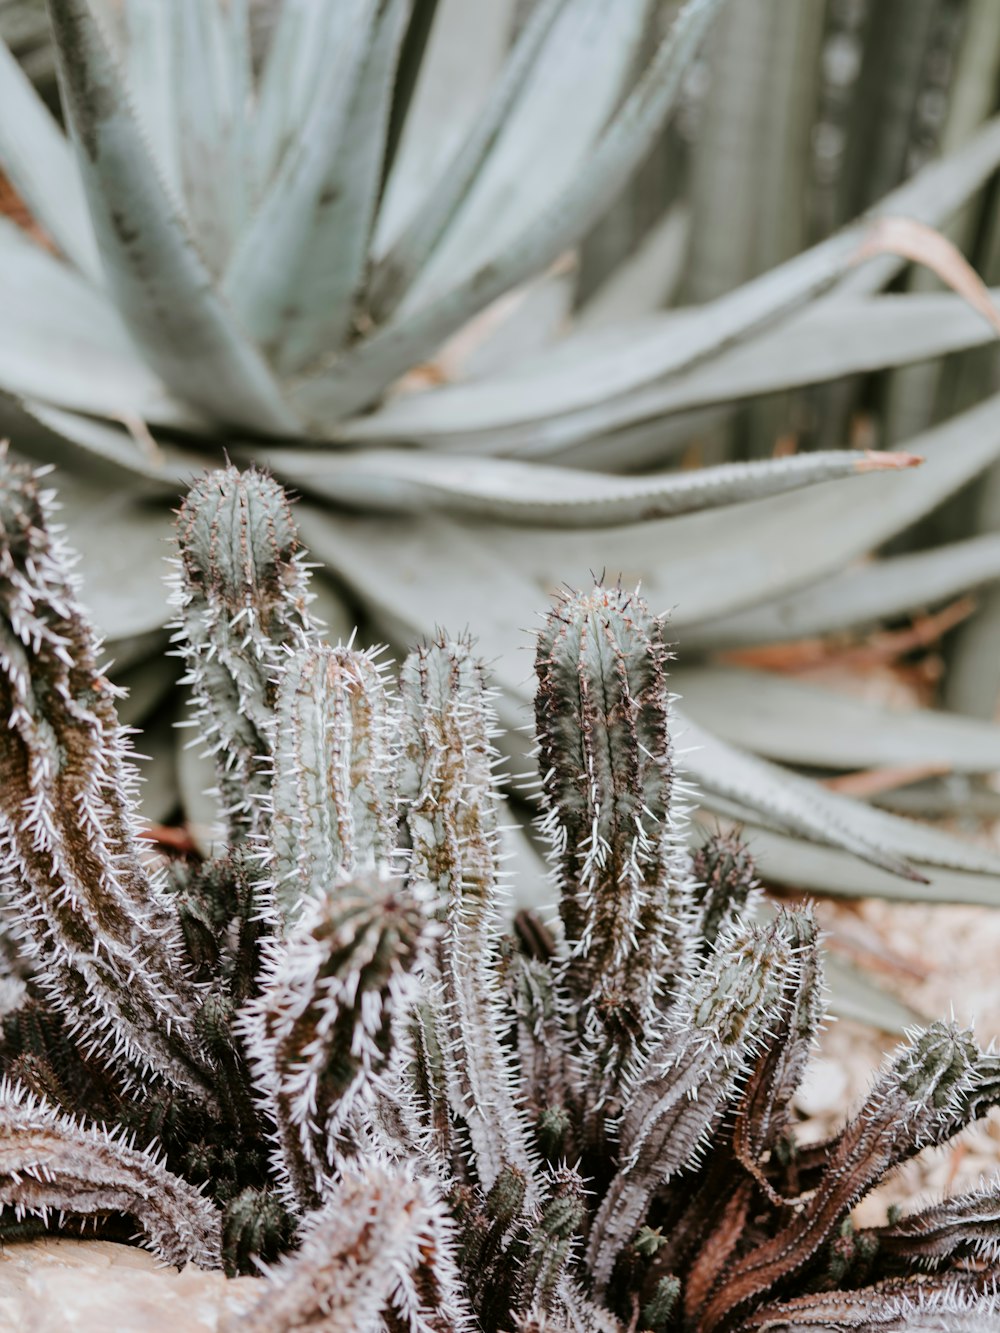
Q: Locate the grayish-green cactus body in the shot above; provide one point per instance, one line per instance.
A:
(242, 602)
(332, 803)
(450, 800)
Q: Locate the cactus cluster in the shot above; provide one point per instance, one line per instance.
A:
(319, 1048)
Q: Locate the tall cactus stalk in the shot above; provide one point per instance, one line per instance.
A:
(242, 600)
(93, 914)
(424, 1124)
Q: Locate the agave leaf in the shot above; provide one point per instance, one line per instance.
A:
(408, 482)
(91, 448)
(827, 341)
(802, 724)
(148, 683)
(397, 270)
(211, 88)
(158, 279)
(125, 596)
(159, 794)
(676, 343)
(855, 995)
(784, 802)
(860, 597)
(549, 108)
(356, 378)
(297, 270)
(302, 48)
(35, 155)
(465, 52)
(701, 565)
(810, 868)
(644, 280)
(151, 70)
(60, 340)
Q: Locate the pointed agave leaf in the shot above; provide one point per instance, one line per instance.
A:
(356, 378)
(295, 275)
(793, 804)
(158, 279)
(565, 77)
(61, 341)
(543, 408)
(408, 481)
(799, 723)
(812, 868)
(211, 90)
(859, 597)
(401, 266)
(39, 162)
(91, 448)
(702, 565)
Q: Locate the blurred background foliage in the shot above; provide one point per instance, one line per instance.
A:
(839, 643)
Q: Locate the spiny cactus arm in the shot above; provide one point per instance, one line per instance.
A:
(690, 1079)
(51, 1165)
(93, 916)
(725, 884)
(613, 816)
(381, 1254)
(550, 1072)
(242, 599)
(553, 1240)
(333, 804)
(429, 1081)
(946, 1303)
(965, 1226)
(323, 1028)
(777, 1072)
(255, 1228)
(450, 800)
(920, 1100)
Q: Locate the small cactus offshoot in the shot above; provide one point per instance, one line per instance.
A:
(319, 1049)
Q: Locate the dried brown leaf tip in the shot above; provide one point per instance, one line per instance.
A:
(350, 1069)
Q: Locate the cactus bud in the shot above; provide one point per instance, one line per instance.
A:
(725, 883)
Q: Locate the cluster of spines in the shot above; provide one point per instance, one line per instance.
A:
(466, 1131)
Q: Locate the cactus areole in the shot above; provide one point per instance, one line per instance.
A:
(318, 1048)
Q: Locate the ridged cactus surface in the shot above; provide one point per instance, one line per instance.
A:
(321, 1047)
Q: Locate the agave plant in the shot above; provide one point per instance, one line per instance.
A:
(261, 255)
(345, 1065)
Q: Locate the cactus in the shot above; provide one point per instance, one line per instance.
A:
(354, 1075)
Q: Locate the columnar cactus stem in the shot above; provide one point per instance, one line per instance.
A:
(94, 916)
(333, 804)
(380, 1255)
(242, 601)
(613, 815)
(51, 1164)
(451, 813)
(324, 1028)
